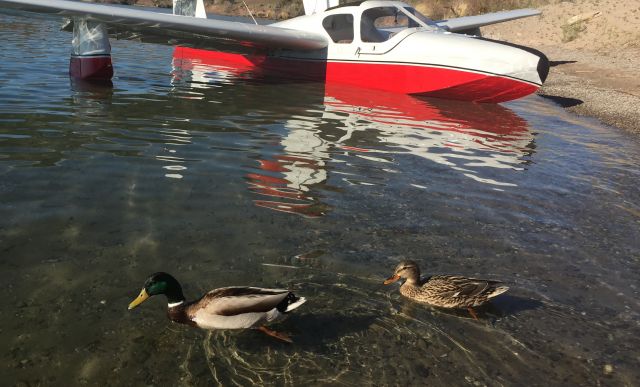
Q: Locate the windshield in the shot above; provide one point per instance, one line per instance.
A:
(379, 24)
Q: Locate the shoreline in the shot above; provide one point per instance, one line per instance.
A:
(594, 49)
(593, 72)
(580, 83)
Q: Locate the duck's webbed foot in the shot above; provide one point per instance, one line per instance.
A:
(472, 313)
(277, 335)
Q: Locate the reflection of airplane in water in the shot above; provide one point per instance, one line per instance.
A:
(490, 136)
(376, 126)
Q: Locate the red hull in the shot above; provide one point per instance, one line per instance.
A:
(98, 67)
(415, 79)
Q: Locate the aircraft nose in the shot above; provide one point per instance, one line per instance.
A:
(542, 67)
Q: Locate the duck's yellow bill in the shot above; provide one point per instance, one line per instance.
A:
(140, 299)
(392, 279)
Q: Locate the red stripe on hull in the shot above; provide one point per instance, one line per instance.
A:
(488, 89)
(241, 63)
(429, 81)
(97, 68)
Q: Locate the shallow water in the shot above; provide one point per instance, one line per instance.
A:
(204, 173)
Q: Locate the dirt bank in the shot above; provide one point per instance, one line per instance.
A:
(595, 59)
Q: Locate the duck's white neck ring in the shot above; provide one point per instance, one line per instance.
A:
(174, 304)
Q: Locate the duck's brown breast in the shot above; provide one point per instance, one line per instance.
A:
(179, 314)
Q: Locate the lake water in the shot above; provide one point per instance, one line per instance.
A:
(221, 180)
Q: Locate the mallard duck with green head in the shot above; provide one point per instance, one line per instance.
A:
(446, 291)
(237, 307)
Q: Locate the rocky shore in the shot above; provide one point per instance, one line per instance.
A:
(594, 49)
(595, 86)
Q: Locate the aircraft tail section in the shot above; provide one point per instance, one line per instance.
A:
(193, 8)
(315, 6)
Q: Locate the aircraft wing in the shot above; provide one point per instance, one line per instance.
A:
(175, 29)
(471, 22)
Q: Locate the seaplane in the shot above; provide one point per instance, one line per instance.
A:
(380, 45)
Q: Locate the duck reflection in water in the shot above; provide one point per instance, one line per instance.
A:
(353, 125)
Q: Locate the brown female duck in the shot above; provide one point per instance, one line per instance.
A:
(446, 291)
(237, 307)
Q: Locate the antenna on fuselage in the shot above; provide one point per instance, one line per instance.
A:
(250, 14)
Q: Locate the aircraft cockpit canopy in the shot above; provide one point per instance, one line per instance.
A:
(377, 24)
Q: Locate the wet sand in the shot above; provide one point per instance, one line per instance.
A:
(594, 85)
(594, 61)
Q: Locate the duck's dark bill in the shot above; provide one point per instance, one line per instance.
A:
(140, 299)
(388, 281)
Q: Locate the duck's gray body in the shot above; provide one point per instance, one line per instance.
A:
(236, 308)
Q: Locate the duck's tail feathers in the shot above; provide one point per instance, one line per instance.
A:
(295, 304)
(498, 291)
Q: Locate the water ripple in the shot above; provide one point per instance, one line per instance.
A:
(204, 170)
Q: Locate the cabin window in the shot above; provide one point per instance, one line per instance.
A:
(339, 27)
(381, 23)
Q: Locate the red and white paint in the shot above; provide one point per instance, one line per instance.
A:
(415, 57)
(405, 78)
